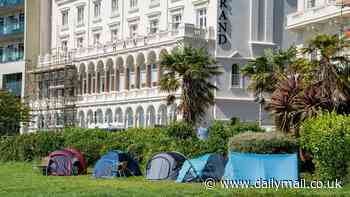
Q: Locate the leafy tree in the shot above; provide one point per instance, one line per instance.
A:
(12, 113)
(190, 70)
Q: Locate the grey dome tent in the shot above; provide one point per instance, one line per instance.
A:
(164, 166)
(201, 168)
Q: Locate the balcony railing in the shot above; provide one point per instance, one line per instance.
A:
(10, 3)
(311, 15)
(66, 56)
(12, 28)
(11, 57)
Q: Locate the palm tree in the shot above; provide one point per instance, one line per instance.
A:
(266, 71)
(190, 70)
(331, 74)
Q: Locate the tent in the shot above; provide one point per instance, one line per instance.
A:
(65, 162)
(202, 168)
(116, 164)
(164, 166)
(258, 168)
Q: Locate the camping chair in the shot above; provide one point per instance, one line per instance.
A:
(43, 165)
(122, 168)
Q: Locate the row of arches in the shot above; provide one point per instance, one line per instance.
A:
(121, 73)
(129, 118)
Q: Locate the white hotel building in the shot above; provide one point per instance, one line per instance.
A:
(115, 46)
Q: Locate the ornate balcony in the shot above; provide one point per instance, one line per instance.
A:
(66, 56)
(319, 14)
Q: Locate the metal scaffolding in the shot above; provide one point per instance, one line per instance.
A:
(53, 95)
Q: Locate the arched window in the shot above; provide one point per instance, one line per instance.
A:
(143, 76)
(154, 75)
(40, 121)
(140, 115)
(90, 118)
(129, 118)
(131, 77)
(99, 116)
(119, 116)
(109, 116)
(151, 117)
(81, 119)
(235, 76)
(173, 113)
(162, 115)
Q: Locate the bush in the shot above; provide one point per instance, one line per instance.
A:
(263, 143)
(327, 138)
(181, 130)
(142, 144)
(220, 132)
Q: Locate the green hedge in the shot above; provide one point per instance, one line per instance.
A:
(220, 133)
(263, 143)
(327, 138)
(141, 143)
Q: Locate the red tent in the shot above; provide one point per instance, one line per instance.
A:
(65, 162)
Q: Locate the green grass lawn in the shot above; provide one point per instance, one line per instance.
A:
(19, 179)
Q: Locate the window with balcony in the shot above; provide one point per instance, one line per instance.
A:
(133, 4)
(310, 4)
(64, 45)
(154, 26)
(176, 21)
(97, 38)
(154, 75)
(65, 18)
(202, 18)
(80, 42)
(20, 51)
(114, 35)
(80, 15)
(97, 9)
(133, 30)
(235, 76)
(2, 54)
(13, 83)
(115, 6)
(154, 3)
(2, 26)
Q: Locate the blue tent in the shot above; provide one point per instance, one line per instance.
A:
(116, 164)
(202, 168)
(253, 168)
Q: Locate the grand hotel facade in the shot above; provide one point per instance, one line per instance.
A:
(109, 51)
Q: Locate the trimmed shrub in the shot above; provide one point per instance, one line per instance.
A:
(220, 132)
(263, 143)
(327, 138)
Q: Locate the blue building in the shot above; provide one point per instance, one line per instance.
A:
(12, 65)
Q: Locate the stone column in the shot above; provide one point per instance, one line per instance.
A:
(117, 80)
(159, 74)
(97, 82)
(137, 77)
(107, 80)
(149, 76)
(127, 79)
